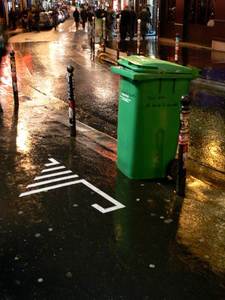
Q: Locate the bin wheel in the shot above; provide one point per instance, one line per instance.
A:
(172, 169)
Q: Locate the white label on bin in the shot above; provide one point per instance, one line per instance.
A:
(125, 97)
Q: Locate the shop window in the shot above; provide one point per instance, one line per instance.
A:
(202, 11)
(171, 10)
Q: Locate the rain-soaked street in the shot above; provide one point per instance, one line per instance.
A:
(72, 226)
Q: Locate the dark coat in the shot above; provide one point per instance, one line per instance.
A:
(76, 16)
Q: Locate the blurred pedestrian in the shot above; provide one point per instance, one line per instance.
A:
(132, 22)
(30, 20)
(12, 19)
(25, 20)
(37, 20)
(110, 17)
(145, 20)
(84, 16)
(76, 16)
(55, 18)
(124, 23)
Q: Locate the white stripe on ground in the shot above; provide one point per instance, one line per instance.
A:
(52, 180)
(53, 175)
(53, 162)
(53, 169)
(53, 187)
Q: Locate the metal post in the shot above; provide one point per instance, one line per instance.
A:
(72, 113)
(183, 145)
(93, 38)
(103, 33)
(14, 80)
(177, 47)
(118, 38)
(138, 36)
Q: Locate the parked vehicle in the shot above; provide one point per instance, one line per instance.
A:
(45, 20)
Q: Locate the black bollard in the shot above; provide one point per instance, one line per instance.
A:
(138, 36)
(14, 80)
(72, 113)
(104, 33)
(93, 38)
(183, 144)
(118, 38)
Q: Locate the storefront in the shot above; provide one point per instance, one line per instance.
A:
(199, 21)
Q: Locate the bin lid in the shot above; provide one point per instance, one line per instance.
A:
(153, 65)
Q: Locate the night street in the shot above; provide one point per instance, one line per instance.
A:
(72, 226)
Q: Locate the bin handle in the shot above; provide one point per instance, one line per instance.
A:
(152, 67)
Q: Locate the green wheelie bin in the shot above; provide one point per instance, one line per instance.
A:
(148, 114)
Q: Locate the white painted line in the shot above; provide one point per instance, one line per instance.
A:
(53, 162)
(52, 175)
(57, 186)
(52, 180)
(116, 204)
(53, 169)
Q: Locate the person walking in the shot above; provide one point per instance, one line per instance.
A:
(132, 22)
(30, 20)
(55, 18)
(76, 16)
(84, 16)
(37, 20)
(145, 20)
(110, 16)
(124, 23)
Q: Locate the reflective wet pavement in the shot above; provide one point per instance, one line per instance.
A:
(54, 243)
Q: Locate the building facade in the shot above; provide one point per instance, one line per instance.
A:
(198, 21)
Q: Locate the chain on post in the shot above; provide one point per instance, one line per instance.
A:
(71, 99)
(14, 80)
(138, 36)
(183, 144)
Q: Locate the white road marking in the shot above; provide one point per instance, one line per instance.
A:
(51, 180)
(53, 169)
(53, 162)
(57, 186)
(52, 175)
(116, 204)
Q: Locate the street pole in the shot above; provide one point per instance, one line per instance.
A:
(183, 144)
(72, 113)
(177, 47)
(103, 33)
(14, 80)
(138, 36)
(93, 38)
(118, 37)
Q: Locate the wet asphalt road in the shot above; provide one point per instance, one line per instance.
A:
(54, 244)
